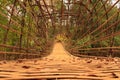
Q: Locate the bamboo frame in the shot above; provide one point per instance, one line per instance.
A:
(43, 14)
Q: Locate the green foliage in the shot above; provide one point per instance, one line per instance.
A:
(2, 31)
(117, 40)
(94, 20)
(61, 37)
(36, 29)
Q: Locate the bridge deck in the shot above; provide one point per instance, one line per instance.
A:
(60, 65)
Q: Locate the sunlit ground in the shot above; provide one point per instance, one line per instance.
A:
(60, 65)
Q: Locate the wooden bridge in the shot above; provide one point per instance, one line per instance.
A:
(59, 39)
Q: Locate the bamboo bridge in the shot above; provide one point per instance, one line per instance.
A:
(59, 40)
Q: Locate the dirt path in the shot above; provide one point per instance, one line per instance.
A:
(59, 53)
(60, 65)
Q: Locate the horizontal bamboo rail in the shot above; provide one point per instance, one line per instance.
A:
(2, 52)
(12, 30)
(101, 48)
(16, 47)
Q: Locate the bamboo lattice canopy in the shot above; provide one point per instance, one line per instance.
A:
(28, 25)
